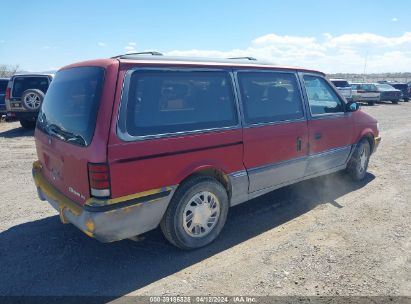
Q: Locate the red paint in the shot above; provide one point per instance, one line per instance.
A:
(144, 165)
(334, 131)
(274, 143)
(65, 165)
(364, 125)
(149, 173)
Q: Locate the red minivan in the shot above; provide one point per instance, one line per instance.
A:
(136, 141)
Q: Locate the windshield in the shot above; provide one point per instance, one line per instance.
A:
(385, 87)
(400, 86)
(340, 83)
(69, 110)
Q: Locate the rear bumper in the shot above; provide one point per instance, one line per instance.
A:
(367, 98)
(31, 116)
(98, 221)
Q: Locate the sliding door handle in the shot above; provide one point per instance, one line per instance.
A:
(299, 142)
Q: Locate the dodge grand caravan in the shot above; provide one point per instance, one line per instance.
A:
(134, 142)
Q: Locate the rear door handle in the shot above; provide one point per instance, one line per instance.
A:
(317, 136)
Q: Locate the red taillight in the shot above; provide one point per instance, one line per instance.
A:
(7, 93)
(99, 179)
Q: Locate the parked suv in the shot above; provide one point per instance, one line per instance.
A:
(403, 87)
(3, 86)
(134, 142)
(365, 92)
(343, 87)
(24, 96)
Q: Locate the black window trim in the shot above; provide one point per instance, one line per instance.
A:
(121, 128)
(307, 102)
(271, 71)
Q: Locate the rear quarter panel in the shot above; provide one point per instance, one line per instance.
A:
(69, 160)
(154, 163)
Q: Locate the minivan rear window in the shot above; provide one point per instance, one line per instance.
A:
(163, 102)
(69, 110)
(21, 84)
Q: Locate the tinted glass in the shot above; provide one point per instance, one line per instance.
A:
(368, 87)
(3, 86)
(340, 83)
(270, 97)
(385, 87)
(71, 103)
(400, 86)
(20, 84)
(321, 96)
(161, 102)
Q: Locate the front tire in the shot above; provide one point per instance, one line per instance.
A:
(28, 124)
(196, 214)
(371, 103)
(358, 165)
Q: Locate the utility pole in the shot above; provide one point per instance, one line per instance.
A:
(365, 65)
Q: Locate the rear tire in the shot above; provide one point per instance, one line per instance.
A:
(27, 124)
(406, 99)
(371, 103)
(358, 164)
(395, 101)
(196, 214)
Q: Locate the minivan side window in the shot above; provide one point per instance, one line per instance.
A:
(270, 97)
(321, 96)
(163, 102)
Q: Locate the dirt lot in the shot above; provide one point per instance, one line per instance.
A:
(325, 236)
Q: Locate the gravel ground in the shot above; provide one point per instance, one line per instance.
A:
(326, 236)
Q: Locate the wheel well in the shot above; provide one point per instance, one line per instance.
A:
(370, 140)
(219, 175)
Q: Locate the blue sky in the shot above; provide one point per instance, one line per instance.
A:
(334, 36)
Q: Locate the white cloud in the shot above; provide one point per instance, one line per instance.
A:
(102, 44)
(130, 49)
(367, 39)
(328, 53)
(394, 19)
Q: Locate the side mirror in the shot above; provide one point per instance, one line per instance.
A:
(352, 106)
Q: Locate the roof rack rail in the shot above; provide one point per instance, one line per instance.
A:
(153, 53)
(248, 58)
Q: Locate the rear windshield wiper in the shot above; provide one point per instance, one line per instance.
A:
(55, 130)
(78, 139)
(65, 135)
